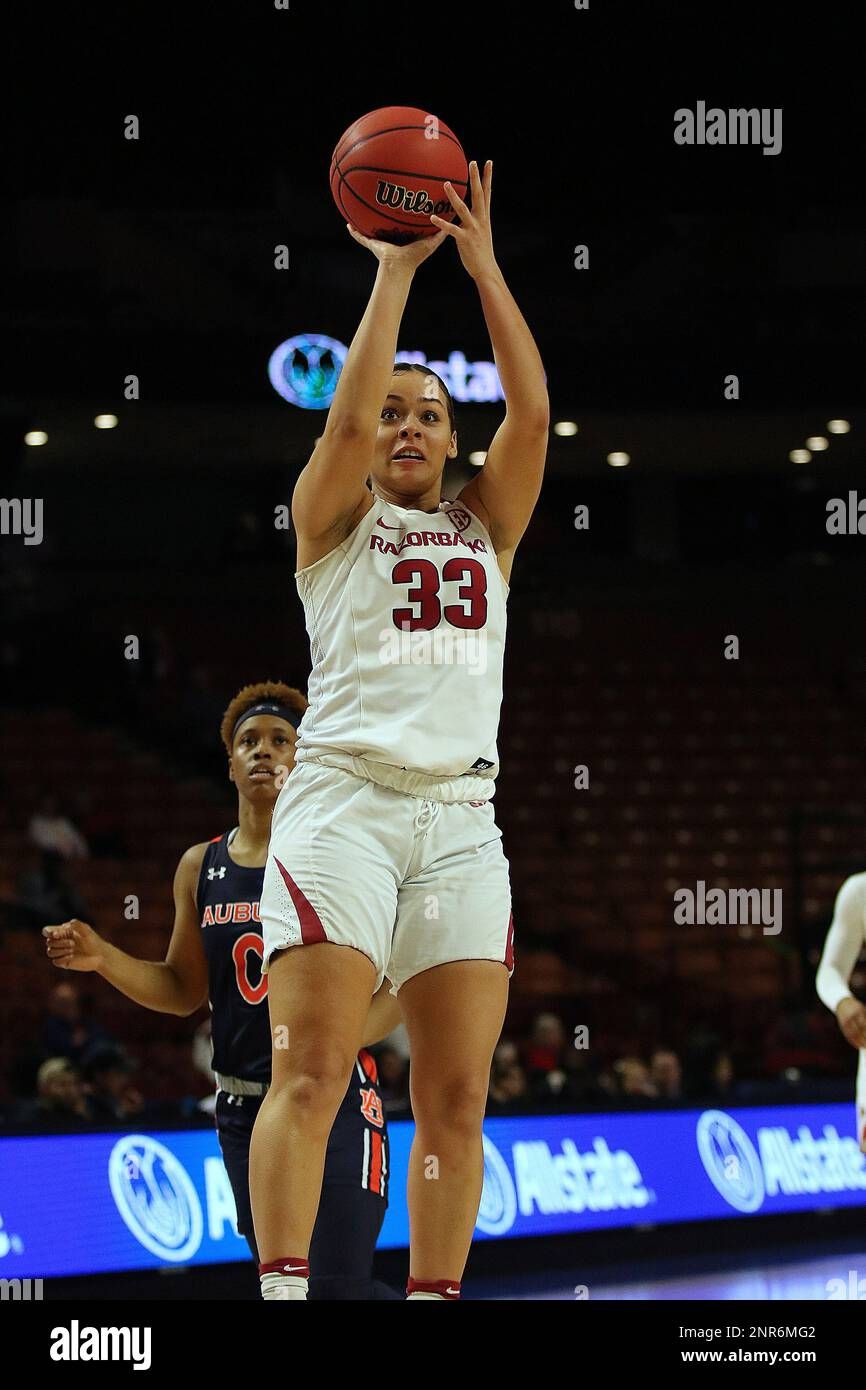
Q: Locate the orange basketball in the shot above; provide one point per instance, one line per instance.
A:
(388, 173)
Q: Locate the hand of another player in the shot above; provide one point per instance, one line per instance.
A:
(74, 946)
(852, 1020)
(407, 257)
(474, 236)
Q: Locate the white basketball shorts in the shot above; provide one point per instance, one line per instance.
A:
(411, 883)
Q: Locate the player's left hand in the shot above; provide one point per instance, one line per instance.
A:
(474, 236)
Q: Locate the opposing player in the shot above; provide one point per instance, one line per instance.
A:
(385, 858)
(845, 942)
(215, 954)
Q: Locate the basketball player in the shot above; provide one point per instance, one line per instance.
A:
(385, 859)
(215, 954)
(845, 941)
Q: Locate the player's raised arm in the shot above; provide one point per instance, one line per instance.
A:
(177, 985)
(506, 489)
(333, 484)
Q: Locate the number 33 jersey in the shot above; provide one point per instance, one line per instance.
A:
(406, 619)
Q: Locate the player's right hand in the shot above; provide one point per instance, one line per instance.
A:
(74, 946)
(409, 256)
(852, 1020)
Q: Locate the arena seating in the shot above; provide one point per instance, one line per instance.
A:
(695, 766)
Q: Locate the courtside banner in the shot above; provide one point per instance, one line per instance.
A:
(89, 1203)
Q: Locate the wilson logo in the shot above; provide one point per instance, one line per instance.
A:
(394, 195)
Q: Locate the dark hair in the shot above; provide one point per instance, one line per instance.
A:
(251, 695)
(425, 371)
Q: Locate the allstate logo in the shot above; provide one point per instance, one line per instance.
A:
(498, 1198)
(731, 1160)
(155, 1197)
(305, 369)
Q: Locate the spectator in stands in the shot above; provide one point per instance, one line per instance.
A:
(801, 1041)
(45, 894)
(666, 1074)
(60, 1100)
(584, 1087)
(722, 1083)
(113, 1099)
(711, 1073)
(393, 1078)
(507, 1078)
(633, 1080)
(99, 819)
(67, 1033)
(51, 829)
(546, 1048)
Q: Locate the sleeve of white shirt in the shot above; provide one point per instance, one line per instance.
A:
(844, 942)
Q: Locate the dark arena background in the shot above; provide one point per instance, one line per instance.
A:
(671, 1114)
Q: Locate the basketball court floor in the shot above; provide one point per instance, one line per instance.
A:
(817, 1275)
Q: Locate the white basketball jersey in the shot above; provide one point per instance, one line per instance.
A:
(406, 619)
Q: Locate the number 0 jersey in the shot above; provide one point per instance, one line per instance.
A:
(228, 907)
(228, 899)
(406, 619)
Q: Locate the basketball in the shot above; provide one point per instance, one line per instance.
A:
(388, 173)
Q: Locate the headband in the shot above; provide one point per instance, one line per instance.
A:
(291, 716)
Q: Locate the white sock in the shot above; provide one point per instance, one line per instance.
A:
(436, 1297)
(284, 1286)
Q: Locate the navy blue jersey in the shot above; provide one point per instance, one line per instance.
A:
(228, 908)
(228, 898)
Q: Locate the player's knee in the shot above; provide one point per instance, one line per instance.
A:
(314, 1083)
(455, 1105)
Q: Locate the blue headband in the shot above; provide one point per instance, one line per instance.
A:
(291, 716)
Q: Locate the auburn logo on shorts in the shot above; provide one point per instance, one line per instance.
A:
(371, 1107)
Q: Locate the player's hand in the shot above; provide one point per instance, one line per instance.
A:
(408, 257)
(852, 1020)
(74, 946)
(474, 236)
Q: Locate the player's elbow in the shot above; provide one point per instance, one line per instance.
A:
(192, 1004)
(187, 996)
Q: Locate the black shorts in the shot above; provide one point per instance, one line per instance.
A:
(354, 1195)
